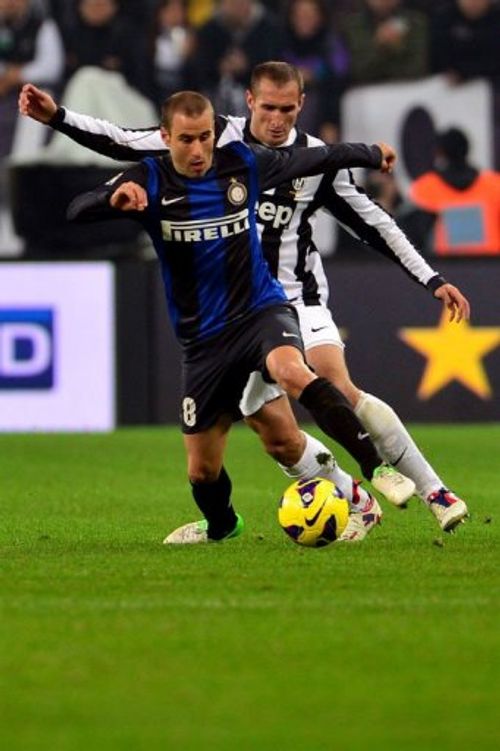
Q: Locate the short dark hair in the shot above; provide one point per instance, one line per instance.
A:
(189, 103)
(278, 72)
(454, 144)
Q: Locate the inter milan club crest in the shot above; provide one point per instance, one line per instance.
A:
(237, 192)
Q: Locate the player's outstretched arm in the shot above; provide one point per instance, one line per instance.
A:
(280, 165)
(122, 144)
(455, 301)
(37, 104)
(375, 227)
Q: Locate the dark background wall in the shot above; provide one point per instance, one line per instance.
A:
(373, 301)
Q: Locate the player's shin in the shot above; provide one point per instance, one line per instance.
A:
(395, 444)
(214, 501)
(334, 415)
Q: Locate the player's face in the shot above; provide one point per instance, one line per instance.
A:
(273, 111)
(191, 143)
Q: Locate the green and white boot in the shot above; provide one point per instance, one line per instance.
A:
(196, 532)
(394, 486)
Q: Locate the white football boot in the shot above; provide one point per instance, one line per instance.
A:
(361, 523)
(448, 509)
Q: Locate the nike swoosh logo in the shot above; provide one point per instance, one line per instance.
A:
(286, 333)
(165, 202)
(320, 328)
(399, 457)
(362, 436)
(310, 522)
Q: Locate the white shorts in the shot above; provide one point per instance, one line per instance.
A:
(317, 327)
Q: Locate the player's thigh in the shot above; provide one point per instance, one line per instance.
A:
(277, 428)
(205, 451)
(211, 387)
(325, 351)
(280, 349)
(328, 361)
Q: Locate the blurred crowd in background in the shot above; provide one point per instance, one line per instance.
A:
(160, 46)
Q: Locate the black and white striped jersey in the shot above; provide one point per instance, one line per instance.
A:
(286, 214)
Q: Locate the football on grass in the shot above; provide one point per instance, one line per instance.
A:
(313, 513)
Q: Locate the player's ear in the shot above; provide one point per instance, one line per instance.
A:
(249, 98)
(165, 136)
(302, 99)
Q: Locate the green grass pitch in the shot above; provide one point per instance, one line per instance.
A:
(110, 641)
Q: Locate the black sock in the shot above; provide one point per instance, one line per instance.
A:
(335, 416)
(214, 501)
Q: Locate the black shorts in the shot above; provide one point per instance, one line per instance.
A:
(215, 371)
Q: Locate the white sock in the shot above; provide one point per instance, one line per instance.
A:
(318, 461)
(396, 445)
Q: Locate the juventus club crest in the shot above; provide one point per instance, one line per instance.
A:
(237, 192)
(297, 186)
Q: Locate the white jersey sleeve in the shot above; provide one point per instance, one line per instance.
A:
(131, 144)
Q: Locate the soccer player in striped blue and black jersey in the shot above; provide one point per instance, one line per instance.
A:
(230, 315)
(286, 219)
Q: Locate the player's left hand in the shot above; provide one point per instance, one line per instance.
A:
(389, 157)
(457, 304)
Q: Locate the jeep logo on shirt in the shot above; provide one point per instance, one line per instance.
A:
(276, 216)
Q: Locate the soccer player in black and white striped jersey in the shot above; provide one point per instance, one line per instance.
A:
(286, 217)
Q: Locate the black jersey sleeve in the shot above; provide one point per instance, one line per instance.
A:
(94, 205)
(276, 166)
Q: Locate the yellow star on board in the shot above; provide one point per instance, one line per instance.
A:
(454, 352)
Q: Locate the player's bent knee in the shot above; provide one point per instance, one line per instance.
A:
(293, 377)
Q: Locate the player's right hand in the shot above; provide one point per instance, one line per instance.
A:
(457, 304)
(389, 157)
(129, 197)
(37, 104)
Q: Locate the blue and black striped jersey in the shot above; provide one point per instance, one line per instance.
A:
(204, 229)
